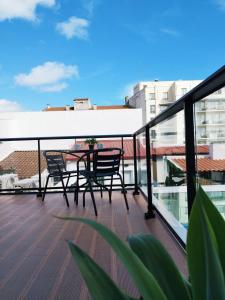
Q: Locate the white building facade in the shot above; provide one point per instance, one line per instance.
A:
(155, 96)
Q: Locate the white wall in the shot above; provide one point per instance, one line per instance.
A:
(67, 123)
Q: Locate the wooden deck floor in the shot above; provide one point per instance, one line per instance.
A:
(35, 262)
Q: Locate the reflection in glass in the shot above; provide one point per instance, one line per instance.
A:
(210, 135)
(168, 170)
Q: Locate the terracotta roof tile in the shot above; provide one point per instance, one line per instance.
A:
(203, 164)
(174, 150)
(141, 152)
(108, 107)
(113, 107)
(25, 163)
(63, 108)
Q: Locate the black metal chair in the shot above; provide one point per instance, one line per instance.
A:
(105, 165)
(57, 169)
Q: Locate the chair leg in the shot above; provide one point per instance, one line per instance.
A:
(67, 180)
(110, 191)
(124, 191)
(45, 189)
(64, 191)
(101, 191)
(92, 197)
(76, 193)
(84, 193)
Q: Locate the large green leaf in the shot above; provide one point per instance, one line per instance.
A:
(160, 264)
(218, 224)
(100, 285)
(203, 260)
(143, 279)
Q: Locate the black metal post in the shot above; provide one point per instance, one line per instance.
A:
(122, 145)
(190, 153)
(39, 194)
(136, 189)
(149, 214)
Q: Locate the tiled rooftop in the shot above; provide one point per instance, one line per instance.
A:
(71, 108)
(203, 164)
(25, 163)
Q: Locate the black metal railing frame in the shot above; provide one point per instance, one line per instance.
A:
(39, 190)
(211, 84)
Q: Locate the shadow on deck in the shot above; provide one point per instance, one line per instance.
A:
(35, 262)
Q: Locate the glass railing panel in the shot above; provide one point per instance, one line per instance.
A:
(19, 166)
(167, 148)
(141, 162)
(210, 145)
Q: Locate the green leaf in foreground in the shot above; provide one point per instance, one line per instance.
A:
(203, 260)
(217, 222)
(160, 264)
(100, 285)
(144, 280)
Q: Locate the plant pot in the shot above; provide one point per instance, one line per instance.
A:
(91, 147)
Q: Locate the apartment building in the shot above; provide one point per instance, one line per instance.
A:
(155, 96)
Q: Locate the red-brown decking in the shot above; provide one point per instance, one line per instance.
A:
(203, 164)
(35, 262)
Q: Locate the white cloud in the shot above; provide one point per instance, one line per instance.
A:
(9, 106)
(221, 4)
(24, 9)
(170, 32)
(90, 5)
(74, 27)
(48, 77)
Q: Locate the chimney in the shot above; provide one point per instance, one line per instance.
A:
(67, 107)
(82, 104)
(126, 100)
(94, 106)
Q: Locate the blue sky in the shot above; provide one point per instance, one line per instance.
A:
(53, 51)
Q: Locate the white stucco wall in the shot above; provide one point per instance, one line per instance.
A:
(66, 123)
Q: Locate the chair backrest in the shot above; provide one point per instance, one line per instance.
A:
(55, 162)
(107, 160)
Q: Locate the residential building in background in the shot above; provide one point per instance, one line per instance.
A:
(155, 96)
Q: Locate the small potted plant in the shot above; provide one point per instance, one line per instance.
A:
(91, 142)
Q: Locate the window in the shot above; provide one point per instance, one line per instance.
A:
(183, 91)
(152, 109)
(153, 134)
(168, 133)
(165, 96)
(219, 92)
(152, 96)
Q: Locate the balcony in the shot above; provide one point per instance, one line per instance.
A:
(35, 260)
